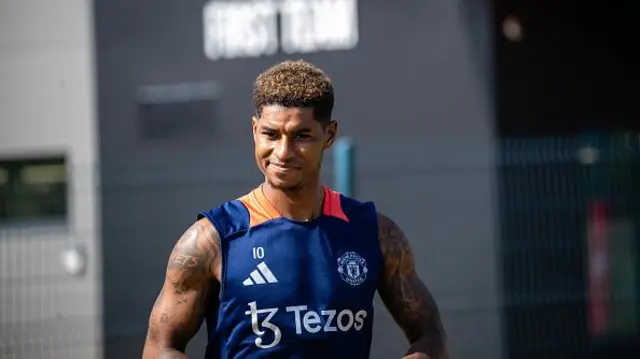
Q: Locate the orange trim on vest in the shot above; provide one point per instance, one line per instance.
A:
(333, 205)
(261, 210)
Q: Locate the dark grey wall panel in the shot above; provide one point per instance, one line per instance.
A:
(414, 94)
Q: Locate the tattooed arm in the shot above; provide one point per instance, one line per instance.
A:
(406, 297)
(190, 281)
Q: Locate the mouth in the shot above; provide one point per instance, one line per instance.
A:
(280, 167)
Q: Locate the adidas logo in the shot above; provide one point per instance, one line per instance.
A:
(262, 275)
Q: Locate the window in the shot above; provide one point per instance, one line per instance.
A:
(33, 189)
(184, 110)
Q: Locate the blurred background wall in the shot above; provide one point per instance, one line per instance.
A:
(48, 197)
(500, 135)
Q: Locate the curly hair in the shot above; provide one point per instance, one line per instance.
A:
(295, 84)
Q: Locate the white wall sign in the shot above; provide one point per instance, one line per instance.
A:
(249, 28)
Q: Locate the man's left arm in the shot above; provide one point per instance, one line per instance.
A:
(406, 297)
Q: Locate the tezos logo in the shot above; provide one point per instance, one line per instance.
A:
(308, 321)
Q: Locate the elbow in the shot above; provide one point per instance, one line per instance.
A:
(432, 344)
(156, 349)
(152, 350)
(157, 352)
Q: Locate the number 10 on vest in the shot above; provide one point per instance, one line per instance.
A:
(258, 252)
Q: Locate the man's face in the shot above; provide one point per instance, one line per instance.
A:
(289, 144)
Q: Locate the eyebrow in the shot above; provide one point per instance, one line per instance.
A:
(299, 130)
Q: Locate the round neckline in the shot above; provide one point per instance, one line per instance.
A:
(263, 202)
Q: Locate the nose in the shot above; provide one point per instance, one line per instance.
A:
(284, 149)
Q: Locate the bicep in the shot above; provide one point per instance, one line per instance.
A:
(188, 286)
(404, 294)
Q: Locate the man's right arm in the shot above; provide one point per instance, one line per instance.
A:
(192, 271)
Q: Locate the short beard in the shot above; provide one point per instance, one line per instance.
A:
(285, 188)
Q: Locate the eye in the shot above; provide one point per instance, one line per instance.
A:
(303, 136)
(272, 135)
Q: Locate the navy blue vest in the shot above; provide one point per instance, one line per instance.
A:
(293, 289)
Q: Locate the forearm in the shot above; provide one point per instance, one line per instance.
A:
(407, 298)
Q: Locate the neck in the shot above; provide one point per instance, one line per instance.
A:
(304, 203)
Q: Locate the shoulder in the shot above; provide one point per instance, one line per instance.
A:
(205, 230)
(393, 241)
(346, 201)
(227, 218)
(389, 233)
(196, 253)
(353, 209)
(202, 233)
(386, 225)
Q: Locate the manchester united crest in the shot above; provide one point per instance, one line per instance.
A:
(352, 268)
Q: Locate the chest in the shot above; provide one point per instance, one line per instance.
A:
(324, 265)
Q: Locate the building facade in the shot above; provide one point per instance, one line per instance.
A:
(48, 179)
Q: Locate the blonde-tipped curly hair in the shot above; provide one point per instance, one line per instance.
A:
(295, 84)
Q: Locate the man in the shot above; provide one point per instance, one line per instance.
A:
(290, 270)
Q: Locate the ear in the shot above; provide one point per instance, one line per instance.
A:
(254, 125)
(331, 130)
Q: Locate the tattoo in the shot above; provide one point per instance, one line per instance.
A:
(190, 281)
(192, 258)
(184, 261)
(153, 334)
(406, 297)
